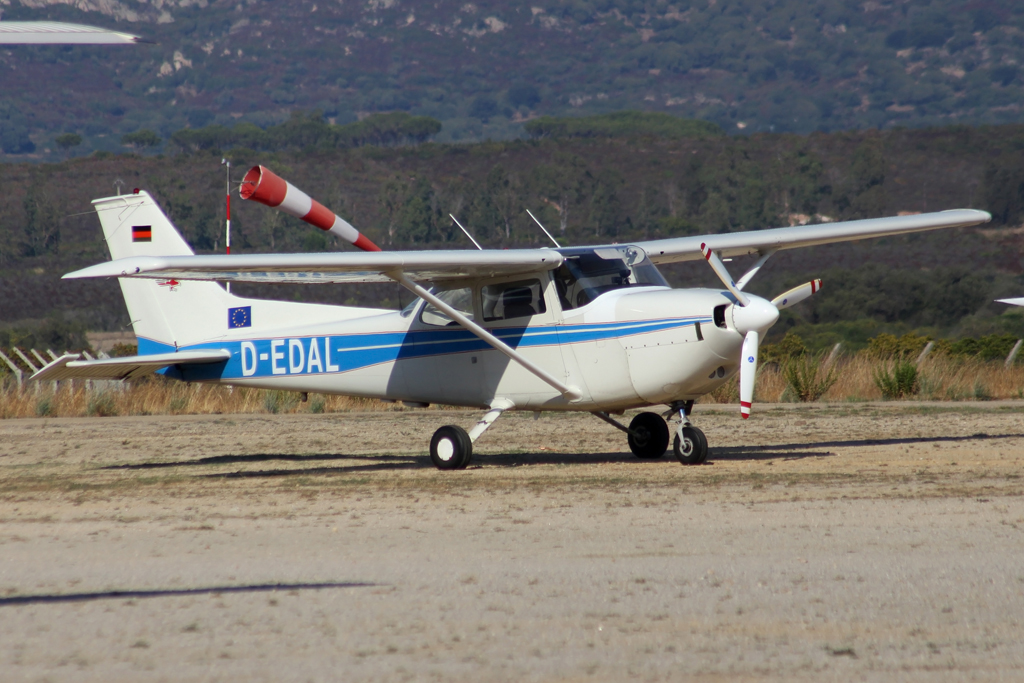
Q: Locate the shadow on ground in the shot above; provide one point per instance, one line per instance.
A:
(212, 590)
(763, 452)
(381, 463)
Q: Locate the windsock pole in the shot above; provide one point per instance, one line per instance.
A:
(227, 224)
(264, 186)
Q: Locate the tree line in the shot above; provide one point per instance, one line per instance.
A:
(615, 187)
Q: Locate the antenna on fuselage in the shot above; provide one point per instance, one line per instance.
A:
(544, 229)
(467, 232)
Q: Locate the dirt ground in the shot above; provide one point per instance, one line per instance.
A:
(824, 542)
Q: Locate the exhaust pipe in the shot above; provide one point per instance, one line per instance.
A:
(264, 186)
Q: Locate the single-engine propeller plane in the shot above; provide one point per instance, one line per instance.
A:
(594, 329)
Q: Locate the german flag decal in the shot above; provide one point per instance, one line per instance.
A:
(142, 233)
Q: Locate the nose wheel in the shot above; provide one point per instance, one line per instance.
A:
(648, 435)
(690, 446)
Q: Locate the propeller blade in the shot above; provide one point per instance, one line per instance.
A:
(716, 264)
(796, 295)
(748, 372)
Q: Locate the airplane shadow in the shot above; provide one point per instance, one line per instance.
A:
(394, 460)
(383, 463)
(212, 590)
(771, 451)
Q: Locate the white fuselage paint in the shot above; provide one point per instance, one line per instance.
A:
(628, 348)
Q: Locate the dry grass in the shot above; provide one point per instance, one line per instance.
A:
(164, 397)
(941, 379)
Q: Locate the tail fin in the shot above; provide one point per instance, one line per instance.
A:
(165, 314)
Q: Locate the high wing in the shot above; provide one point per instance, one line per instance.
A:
(739, 243)
(327, 268)
(130, 367)
(455, 265)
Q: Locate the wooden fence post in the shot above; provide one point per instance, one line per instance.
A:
(1013, 353)
(14, 368)
(924, 353)
(833, 354)
(27, 362)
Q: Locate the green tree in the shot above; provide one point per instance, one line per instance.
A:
(863, 194)
(503, 188)
(141, 139)
(42, 221)
(66, 141)
(418, 215)
(391, 199)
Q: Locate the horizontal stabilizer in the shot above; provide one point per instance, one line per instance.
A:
(129, 367)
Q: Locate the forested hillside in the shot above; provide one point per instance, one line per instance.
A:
(585, 190)
(483, 68)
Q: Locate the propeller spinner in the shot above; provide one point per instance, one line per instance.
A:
(752, 315)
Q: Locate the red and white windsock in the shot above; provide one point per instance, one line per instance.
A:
(264, 186)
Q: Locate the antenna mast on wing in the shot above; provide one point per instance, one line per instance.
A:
(467, 232)
(544, 229)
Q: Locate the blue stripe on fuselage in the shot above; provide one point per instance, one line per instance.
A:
(310, 355)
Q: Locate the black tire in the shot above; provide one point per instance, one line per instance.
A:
(693, 450)
(451, 448)
(651, 436)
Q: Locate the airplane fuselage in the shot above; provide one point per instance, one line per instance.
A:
(627, 348)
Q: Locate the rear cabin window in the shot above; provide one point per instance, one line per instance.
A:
(588, 273)
(507, 300)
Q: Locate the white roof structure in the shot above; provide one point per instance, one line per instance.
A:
(59, 33)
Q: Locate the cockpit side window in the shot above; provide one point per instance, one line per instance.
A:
(460, 299)
(588, 273)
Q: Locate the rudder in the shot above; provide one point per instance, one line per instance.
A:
(165, 314)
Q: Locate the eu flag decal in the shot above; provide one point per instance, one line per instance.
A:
(240, 317)
(142, 233)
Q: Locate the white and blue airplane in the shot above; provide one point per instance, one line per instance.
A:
(594, 329)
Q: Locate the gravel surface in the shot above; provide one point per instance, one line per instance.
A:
(824, 542)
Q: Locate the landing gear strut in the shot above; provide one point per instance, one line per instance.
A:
(451, 447)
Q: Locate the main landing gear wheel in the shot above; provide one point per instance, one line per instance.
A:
(692, 449)
(648, 436)
(451, 448)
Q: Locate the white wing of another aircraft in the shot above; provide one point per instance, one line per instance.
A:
(464, 264)
(60, 33)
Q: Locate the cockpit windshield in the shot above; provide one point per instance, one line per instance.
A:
(587, 273)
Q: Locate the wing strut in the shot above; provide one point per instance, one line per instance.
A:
(570, 393)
